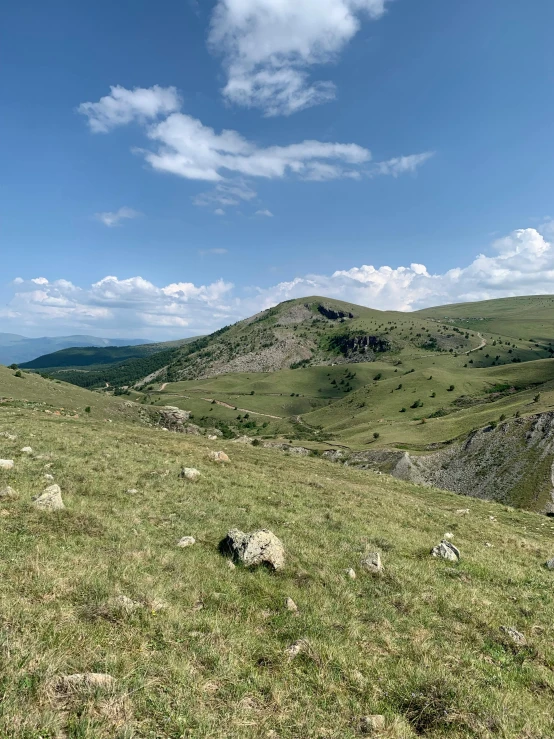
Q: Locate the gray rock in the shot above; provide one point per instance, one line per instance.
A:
(446, 550)
(121, 603)
(88, 682)
(294, 650)
(351, 573)
(290, 605)
(186, 541)
(6, 464)
(219, 457)
(7, 492)
(372, 725)
(27, 450)
(516, 636)
(550, 564)
(371, 562)
(50, 499)
(189, 473)
(255, 548)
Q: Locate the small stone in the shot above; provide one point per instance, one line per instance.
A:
(290, 605)
(294, 650)
(516, 636)
(122, 603)
(6, 464)
(231, 565)
(211, 437)
(84, 682)
(446, 550)
(462, 511)
(48, 477)
(372, 724)
(7, 492)
(219, 457)
(27, 450)
(448, 535)
(550, 564)
(132, 491)
(371, 562)
(351, 573)
(189, 473)
(50, 499)
(186, 541)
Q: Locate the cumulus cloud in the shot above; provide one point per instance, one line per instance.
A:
(123, 106)
(268, 46)
(184, 146)
(111, 219)
(521, 263)
(265, 212)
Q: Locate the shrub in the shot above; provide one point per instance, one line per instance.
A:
(87, 409)
(18, 373)
(375, 434)
(451, 388)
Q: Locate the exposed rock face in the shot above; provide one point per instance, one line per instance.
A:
(173, 418)
(50, 499)
(256, 548)
(512, 463)
(446, 550)
(333, 315)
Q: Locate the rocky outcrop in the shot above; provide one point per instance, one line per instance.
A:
(50, 499)
(174, 419)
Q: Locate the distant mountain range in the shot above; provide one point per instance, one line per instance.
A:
(17, 349)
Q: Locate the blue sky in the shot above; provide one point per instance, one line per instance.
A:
(363, 137)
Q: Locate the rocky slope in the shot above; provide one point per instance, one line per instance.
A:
(511, 463)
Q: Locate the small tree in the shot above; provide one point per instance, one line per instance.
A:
(87, 409)
(375, 434)
(451, 388)
(18, 373)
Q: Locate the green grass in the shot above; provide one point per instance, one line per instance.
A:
(421, 644)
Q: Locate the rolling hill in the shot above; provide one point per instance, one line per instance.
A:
(16, 349)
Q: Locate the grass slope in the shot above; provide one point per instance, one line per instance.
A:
(205, 655)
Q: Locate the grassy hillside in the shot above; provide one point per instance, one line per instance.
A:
(203, 651)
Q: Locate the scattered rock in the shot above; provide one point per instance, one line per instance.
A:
(211, 437)
(371, 562)
(7, 492)
(448, 535)
(462, 511)
(516, 636)
(231, 565)
(7, 435)
(290, 605)
(214, 432)
(6, 464)
(27, 450)
(219, 457)
(50, 499)
(131, 491)
(351, 573)
(84, 682)
(294, 650)
(47, 476)
(549, 565)
(446, 550)
(255, 548)
(173, 418)
(189, 473)
(371, 725)
(186, 541)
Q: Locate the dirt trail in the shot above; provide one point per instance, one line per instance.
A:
(482, 345)
(242, 410)
(163, 387)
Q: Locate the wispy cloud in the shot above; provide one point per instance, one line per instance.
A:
(268, 47)
(265, 212)
(216, 251)
(114, 219)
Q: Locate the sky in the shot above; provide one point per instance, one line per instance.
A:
(169, 168)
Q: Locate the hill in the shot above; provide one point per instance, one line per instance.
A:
(16, 349)
(192, 647)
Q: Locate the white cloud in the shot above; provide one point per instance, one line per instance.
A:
(219, 212)
(220, 252)
(400, 165)
(184, 146)
(521, 263)
(113, 219)
(268, 46)
(267, 213)
(123, 106)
